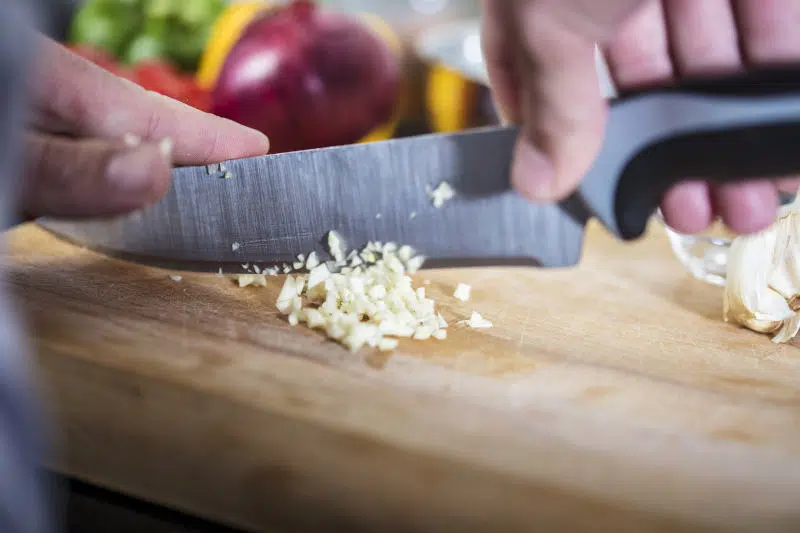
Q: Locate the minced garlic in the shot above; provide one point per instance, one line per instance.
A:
(441, 194)
(251, 280)
(370, 302)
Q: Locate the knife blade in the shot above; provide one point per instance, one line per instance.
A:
(277, 206)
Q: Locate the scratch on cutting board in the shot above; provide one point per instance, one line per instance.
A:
(520, 343)
(184, 326)
(522, 329)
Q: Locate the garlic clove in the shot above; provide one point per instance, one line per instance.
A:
(788, 330)
(762, 291)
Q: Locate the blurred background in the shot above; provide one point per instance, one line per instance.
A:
(308, 74)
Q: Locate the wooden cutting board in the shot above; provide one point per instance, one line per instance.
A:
(610, 397)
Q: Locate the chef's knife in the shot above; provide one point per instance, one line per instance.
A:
(277, 206)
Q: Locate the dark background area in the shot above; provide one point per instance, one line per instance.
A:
(58, 13)
(89, 509)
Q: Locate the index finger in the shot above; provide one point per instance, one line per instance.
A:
(74, 96)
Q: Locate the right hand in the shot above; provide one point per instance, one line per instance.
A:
(540, 57)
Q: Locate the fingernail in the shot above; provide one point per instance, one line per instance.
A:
(131, 140)
(165, 147)
(532, 173)
(255, 133)
(264, 139)
(130, 171)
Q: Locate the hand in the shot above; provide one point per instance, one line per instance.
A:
(540, 56)
(99, 145)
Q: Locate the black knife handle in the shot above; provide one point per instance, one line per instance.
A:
(774, 79)
(725, 129)
(719, 157)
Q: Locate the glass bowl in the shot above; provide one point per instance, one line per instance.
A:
(705, 255)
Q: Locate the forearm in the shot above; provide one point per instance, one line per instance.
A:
(23, 499)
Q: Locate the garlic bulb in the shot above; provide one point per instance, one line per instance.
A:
(762, 290)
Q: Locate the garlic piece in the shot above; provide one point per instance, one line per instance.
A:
(287, 295)
(336, 246)
(312, 262)
(318, 275)
(388, 345)
(251, 280)
(462, 292)
(415, 263)
(299, 262)
(762, 290)
(476, 321)
(441, 194)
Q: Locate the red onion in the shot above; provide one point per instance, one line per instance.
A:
(308, 78)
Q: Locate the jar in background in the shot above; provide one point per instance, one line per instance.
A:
(410, 17)
(457, 95)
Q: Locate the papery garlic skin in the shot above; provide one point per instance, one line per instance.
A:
(762, 291)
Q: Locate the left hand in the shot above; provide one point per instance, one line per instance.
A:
(99, 145)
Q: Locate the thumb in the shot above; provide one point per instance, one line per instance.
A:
(541, 60)
(77, 178)
(562, 112)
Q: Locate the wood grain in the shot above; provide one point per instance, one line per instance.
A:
(609, 397)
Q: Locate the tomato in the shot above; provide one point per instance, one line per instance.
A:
(152, 74)
(159, 77)
(196, 96)
(98, 56)
(163, 78)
